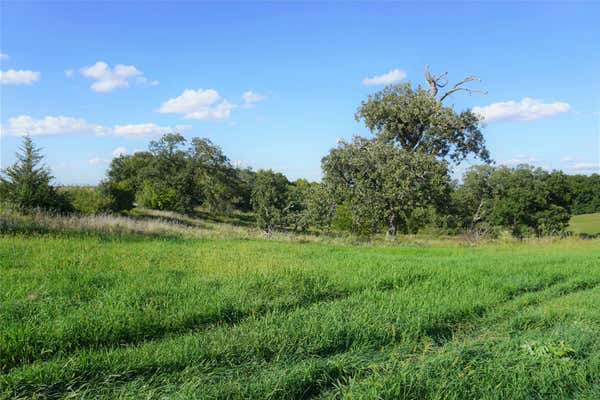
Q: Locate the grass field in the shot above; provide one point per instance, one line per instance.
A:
(585, 223)
(85, 316)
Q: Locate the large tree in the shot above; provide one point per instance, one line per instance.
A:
(384, 186)
(402, 171)
(270, 199)
(415, 119)
(27, 183)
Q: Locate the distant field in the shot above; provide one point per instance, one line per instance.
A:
(89, 317)
(585, 223)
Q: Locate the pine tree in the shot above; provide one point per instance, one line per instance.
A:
(26, 184)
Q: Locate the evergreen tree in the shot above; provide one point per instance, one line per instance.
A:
(26, 183)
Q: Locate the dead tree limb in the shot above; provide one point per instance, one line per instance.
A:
(436, 82)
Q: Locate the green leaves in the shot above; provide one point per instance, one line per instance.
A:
(413, 120)
(382, 185)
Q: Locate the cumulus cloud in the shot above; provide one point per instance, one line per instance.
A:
(576, 165)
(18, 77)
(108, 79)
(527, 109)
(119, 151)
(586, 167)
(250, 98)
(390, 77)
(518, 160)
(60, 125)
(95, 161)
(203, 104)
(146, 130)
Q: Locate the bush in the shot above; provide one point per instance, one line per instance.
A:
(121, 195)
(87, 199)
(342, 219)
(157, 196)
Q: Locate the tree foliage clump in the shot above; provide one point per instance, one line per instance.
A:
(270, 199)
(171, 176)
(524, 199)
(414, 120)
(585, 193)
(27, 183)
(383, 186)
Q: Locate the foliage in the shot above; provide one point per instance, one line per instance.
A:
(414, 120)
(523, 199)
(26, 184)
(384, 186)
(585, 193)
(171, 176)
(87, 199)
(270, 199)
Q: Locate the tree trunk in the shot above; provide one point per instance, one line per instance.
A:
(392, 225)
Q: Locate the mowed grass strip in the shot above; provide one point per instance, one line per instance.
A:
(90, 317)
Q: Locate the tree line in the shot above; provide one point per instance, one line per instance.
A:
(396, 181)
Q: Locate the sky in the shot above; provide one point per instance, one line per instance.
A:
(276, 85)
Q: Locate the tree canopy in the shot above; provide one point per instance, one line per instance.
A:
(414, 120)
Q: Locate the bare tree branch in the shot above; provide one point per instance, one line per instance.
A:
(458, 86)
(436, 82)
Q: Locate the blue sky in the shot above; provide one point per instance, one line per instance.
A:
(277, 84)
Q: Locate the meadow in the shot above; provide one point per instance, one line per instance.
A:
(585, 223)
(85, 315)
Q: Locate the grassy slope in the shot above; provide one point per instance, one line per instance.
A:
(585, 223)
(191, 318)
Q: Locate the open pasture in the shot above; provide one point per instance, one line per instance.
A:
(86, 316)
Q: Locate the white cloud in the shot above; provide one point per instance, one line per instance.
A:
(146, 130)
(108, 79)
(69, 73)
(60, 125)
(585, 167)
(198, 104)
(527, 109)
(392, 76)
(18, 77)
(518, 160)
(579, 166)
(570, 159)
(250, 98)
(4, 56)
(26, 125)
(98, 161)
(119, 151)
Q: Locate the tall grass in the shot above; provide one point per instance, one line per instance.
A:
(120, 317)
(155, 223)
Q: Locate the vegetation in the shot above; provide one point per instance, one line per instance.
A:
(397, 181)
(95, 317)
(520, 199)
(27, 183)
(585, 224)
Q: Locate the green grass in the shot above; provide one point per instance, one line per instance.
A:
(585, 223)
(84, 316)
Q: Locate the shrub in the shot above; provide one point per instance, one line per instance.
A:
(157, 196)
(87, 199)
